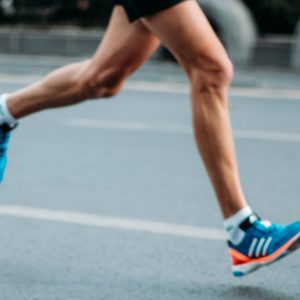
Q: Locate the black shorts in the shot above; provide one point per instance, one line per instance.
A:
(137, 9)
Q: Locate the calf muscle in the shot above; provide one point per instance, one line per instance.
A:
(186, 32)
(58, 89)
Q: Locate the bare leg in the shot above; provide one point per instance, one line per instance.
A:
(57, 89)
(186, 32)
(119, 55)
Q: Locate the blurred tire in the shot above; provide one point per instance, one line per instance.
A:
(235, 27)
(233, 23)
(7, 7)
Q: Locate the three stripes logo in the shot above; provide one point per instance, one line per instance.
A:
(259, 247)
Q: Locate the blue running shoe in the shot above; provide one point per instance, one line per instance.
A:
(263, 243)
(4, 140)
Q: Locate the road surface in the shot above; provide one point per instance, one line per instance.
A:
(109, 199)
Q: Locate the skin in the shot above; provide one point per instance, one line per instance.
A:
(185, 31)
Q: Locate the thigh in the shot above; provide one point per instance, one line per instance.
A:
(186, 32)
(125, 45)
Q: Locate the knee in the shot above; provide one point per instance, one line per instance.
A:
(211, 74)
(104, 83)
(101, 89)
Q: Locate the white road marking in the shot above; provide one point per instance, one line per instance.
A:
(269, 93)
(112, 222)
(18, 79)
(134, 126)
(162, 87)
(267, 136)
(175, 87)
(187, 130)
(184, 88)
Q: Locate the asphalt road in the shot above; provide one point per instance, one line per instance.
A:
(109, 199)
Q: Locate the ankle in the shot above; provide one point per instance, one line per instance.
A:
(232, 224)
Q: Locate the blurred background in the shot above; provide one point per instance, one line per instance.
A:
(133, 160)
(255, 32)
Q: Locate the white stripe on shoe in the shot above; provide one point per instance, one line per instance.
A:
(266, 247)
(260, 246)
(252, 247)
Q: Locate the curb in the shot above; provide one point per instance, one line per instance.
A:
(62, 42)
(274, 51)
(76, 42)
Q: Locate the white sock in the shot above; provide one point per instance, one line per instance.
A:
(5, 115)
(235, 234)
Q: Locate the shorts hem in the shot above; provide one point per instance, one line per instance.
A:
(135, 14)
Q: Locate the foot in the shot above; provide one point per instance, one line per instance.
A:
(263, 244)
(4, 140)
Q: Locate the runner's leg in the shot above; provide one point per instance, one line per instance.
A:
(124, 48)
(185, 30)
